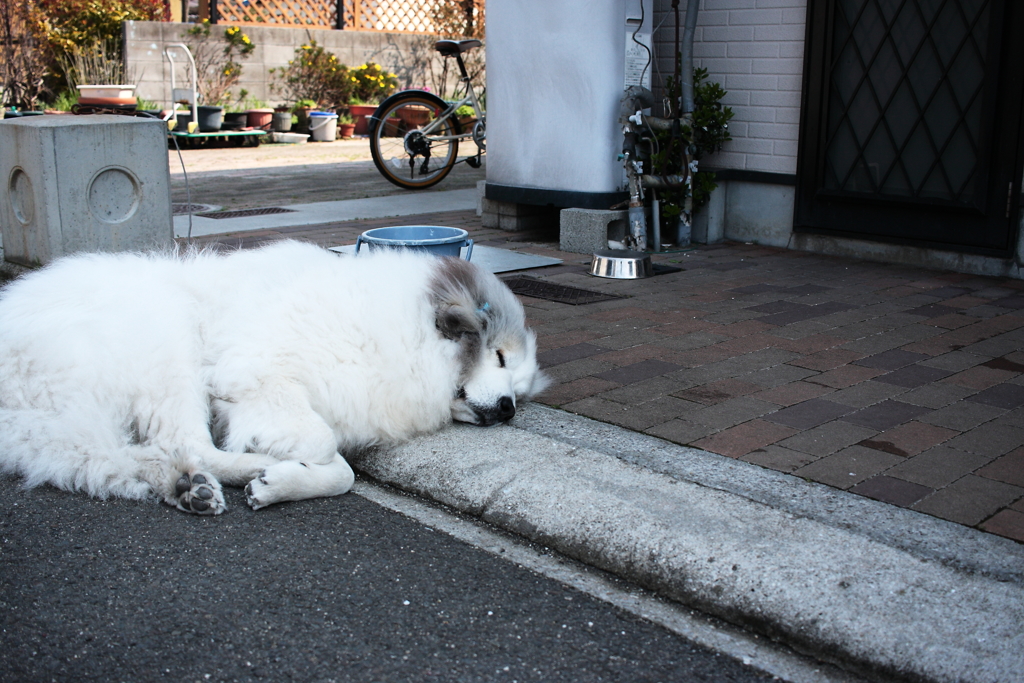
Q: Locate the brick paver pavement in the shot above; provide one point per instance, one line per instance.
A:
(901, 384)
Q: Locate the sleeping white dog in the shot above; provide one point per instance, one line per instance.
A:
(136, 375)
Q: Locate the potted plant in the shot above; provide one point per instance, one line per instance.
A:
(236, 114)
(346, 125)
(359, 109)
(315, 79)
(301, 110)
(216, 68)
(467, 116)
(370, 85)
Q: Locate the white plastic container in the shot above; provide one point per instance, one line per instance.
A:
(289, 138)
(323, 126)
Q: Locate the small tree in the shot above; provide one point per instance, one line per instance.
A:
(706, 135)
(82, 23)
(315, 74)
(458, 20)
(371, 84)
(24, 60)
(86, 35)
(216, 68)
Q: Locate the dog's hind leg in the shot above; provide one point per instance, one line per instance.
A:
(83, 451)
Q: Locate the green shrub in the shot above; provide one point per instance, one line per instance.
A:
(710, 130)
(81, 23)
(315, 74)
(371, 84)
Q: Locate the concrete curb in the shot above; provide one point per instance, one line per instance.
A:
(882, 591)
(320, 213)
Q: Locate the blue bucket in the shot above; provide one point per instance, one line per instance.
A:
(438, 240)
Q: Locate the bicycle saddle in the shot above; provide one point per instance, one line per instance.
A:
(447, 48)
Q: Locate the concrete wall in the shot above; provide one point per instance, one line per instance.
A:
(409, 56)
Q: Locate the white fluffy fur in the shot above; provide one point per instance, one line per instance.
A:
(120, 373)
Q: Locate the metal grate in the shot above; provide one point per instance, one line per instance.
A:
(242, 213)
(538, 289)
(906, 98)
(182, 209)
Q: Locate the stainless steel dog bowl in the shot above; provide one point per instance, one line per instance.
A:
(621, 264)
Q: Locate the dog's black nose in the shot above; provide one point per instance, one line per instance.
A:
(506, 408)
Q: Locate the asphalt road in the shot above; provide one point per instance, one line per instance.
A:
(324, 590)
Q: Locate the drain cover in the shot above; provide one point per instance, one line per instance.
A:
(242, 213)
(538, 289)
(181, 209)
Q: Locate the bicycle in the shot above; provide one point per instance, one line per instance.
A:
(414, 134)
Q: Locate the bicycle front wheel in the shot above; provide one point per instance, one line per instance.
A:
(409, 146)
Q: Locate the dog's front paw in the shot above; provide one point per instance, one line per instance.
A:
(280, 482)
(199, 494)
(255, 489)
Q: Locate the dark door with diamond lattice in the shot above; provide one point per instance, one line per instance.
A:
(911, 129)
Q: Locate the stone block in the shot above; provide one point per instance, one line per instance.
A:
(514, 217)
(584, 231)
(83, 183)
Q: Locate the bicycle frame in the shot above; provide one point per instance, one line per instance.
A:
(470, 99)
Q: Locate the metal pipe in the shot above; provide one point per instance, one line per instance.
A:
(687, 56)
(656, 220)
(663, 182)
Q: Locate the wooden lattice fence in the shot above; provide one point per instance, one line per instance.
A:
(397, 16)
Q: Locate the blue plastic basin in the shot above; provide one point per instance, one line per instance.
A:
(435, 239)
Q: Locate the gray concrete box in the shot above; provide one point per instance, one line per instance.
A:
(83, 183)
(584, 231)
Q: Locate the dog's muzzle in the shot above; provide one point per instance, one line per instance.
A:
(503, 412)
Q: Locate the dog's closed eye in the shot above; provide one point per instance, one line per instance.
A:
(501, 358)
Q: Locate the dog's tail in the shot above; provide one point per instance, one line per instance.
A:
(75, 455)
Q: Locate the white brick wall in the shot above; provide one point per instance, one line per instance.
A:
(755, 49)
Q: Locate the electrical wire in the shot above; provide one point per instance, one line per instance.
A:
(650, 55)
(188, 190)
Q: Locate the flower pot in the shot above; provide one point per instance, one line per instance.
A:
(121, 91)
(359, 112)
(346, 130)
(282, 121)
(209, 118)
(235, 120)
(260, 118)
(393, 127)
(301, 119)
(414, 115)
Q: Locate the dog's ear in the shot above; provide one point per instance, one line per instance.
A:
(455, 321)
(460, 308)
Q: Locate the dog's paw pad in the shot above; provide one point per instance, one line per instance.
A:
(199, 494)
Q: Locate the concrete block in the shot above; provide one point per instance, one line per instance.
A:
(761, 213)
(481, 196)
(709, 220)
(584, 231)
(515, 217)
(83, 183)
